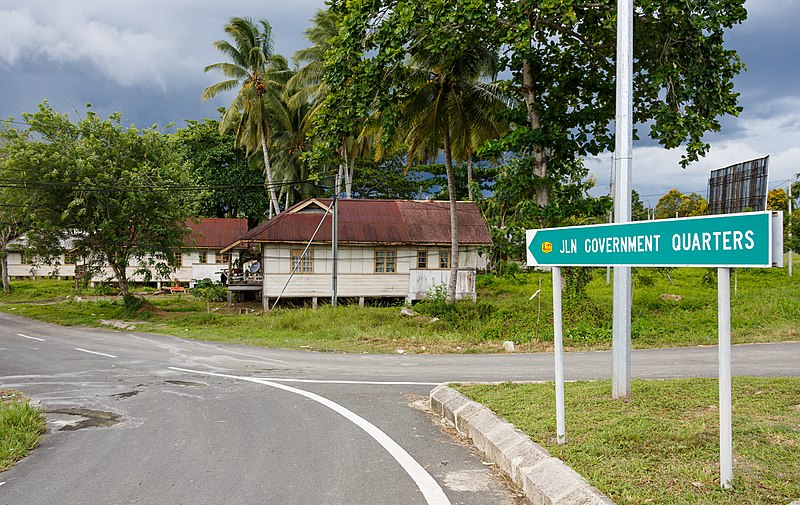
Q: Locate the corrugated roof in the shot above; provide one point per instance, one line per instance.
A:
(215, 233)
(374, 221)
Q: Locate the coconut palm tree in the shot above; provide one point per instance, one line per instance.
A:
(448, 111)
(252, 69)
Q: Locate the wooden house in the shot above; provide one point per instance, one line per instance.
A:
(386, 249)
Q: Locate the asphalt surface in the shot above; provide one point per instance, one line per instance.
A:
(141, 418)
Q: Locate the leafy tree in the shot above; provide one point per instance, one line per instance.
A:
(512, 208)
(390, 179)
(778, 199)
(222, 169)
(257, 106)
(676, 204)
(115, 190)
(638, 210)
(561, 56)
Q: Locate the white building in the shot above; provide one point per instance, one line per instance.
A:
(200, 257)
(386, 249)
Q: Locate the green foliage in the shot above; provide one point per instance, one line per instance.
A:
(676, 204)
(778, 199)
(575, 281)
(232, 185)
(390, 179)
(764, 309)
(21, 427)
(112, 187)
(259, 77)
(103, 289)
(209, 291)
(561, 58)
(709, 277)
(132, 304)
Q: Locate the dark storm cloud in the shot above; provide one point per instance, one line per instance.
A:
(146, 59)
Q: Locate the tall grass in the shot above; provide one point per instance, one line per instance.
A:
(21, 428)
(766, 307)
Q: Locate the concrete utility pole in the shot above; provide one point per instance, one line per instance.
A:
(335, 247)
(623, 153)
(790, 228)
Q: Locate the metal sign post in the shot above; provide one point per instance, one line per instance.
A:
(623, 153)
(558, 343)
(724, 345)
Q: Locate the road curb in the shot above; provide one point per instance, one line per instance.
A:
(545, 480)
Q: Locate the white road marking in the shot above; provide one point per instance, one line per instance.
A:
(32, 338)
(431, 490)
(95, 352)
(367, 383)
(1, 483)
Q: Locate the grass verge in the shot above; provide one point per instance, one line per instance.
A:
(21, 427)
(662, 446)
(679, 310)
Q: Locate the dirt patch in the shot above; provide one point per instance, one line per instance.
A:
(90, 418)
(148, 308)
(11, 396)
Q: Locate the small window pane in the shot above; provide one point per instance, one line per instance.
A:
(444, 259)
(385, 262)
(422, 259)
(302, 263)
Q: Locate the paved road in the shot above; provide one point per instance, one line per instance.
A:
(179, 421)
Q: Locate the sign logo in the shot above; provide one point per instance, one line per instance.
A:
(547, 247)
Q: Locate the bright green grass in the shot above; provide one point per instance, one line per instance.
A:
(766, 308)
(21, 428)
(662, 446)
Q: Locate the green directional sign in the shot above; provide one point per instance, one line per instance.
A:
(733, 240)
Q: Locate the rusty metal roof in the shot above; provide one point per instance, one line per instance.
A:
(214, 233)
(374, 221)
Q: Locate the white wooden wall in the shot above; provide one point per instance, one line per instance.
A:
(356, 273)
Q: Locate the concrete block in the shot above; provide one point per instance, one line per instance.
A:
(544, 480)
(586, 495)
(552, 478)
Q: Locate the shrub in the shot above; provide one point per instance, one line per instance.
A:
(132, 304)
(208, 290)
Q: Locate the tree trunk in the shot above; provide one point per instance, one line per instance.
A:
(268, 169)
(4, 271)
(469, 179)
(451, 189)
(122, 279)
(540, 157)
(347, 172)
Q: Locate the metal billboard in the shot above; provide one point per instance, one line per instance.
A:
(739, 188)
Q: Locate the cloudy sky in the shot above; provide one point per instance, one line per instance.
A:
(145, 58)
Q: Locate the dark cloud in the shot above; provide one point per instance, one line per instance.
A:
(145, 59)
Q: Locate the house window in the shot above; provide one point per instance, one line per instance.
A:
(302, 264)
(69, 259)
(177, 260)
(385, 262)
(24, 259)
(422, 259)
(222, 258)
(444, 258)
(202, 257)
